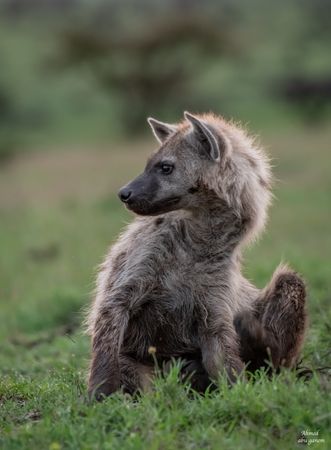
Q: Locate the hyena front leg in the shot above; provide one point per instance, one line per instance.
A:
(135, 376)
(111, 371)
(220, 351)
(108, 332)
(194, 372)
(105, 374)
(276, 328)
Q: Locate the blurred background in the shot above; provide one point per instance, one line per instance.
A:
(77, 81)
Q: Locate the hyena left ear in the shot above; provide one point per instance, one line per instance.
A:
(161, 130)
(206, 136)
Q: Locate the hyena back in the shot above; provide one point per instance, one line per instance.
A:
(172, 282)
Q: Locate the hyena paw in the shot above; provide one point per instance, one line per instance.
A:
(291, 287)
(194, 372)
(99, 392)
(234, 369)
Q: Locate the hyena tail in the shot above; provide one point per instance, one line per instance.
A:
(272, 335)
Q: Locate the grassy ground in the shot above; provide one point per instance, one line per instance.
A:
(58, 214)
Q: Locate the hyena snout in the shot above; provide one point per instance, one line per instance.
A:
(137, 190)
(125, 194)
(146, 196)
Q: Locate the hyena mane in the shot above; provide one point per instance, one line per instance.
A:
(173, 283)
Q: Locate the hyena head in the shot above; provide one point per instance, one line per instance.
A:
(203, 163)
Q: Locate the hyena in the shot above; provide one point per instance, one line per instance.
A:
(173, 282)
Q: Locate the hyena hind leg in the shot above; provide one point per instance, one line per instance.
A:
(276, 328)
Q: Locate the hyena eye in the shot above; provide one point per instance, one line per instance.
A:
(167, 168)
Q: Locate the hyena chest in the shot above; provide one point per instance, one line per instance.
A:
(167, 323)
(169, 318)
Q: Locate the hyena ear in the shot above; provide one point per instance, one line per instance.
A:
(161, 130)
(212, 143)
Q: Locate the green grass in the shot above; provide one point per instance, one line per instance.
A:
(58, 214)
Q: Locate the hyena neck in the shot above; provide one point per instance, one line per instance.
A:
(215, 233)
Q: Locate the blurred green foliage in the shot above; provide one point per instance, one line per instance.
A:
(77, 70)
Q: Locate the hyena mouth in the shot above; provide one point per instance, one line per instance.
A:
(146, 208)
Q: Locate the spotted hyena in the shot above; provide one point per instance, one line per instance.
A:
(173, 280)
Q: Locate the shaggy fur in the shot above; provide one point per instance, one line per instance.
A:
(173, 279)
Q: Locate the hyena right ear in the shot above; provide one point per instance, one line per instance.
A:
(161, 130)
(213, 144)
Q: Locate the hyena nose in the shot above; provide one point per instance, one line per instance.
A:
(124, 194)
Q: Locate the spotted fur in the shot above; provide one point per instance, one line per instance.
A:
(173, 279)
